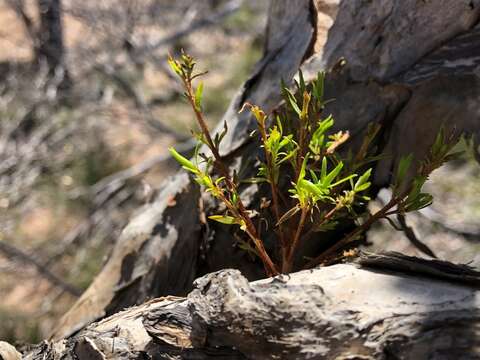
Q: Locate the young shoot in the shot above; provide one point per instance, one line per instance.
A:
(311, 186)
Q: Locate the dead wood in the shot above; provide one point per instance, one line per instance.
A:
(419, 310)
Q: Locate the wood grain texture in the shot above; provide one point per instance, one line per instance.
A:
(383, 38)
(458, 56)
(336, 312)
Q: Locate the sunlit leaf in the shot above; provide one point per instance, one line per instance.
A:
(186, 164)
(362, 182)
(224, 219)
(198, 96)
(327, 180)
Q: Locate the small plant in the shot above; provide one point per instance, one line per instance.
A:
(300, 150)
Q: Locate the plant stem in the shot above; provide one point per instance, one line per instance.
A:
(287, 267)
(242, 213)
(327, 217)
(274, 191)
(300, 153)
(280, 232)
(270, 267)
(203, 126)
(330, 214)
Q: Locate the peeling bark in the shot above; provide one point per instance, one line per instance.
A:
(338, 312)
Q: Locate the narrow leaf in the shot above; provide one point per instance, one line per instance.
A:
(224, 219)
(403, 166)
(187, 164)
(362, 180)
(333, 174)
(198, 96)
(288, 215)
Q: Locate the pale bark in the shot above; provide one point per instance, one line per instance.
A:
(338, 312)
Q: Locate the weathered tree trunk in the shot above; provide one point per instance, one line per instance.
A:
(410, 65)
(337, 312)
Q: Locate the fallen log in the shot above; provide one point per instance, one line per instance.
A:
(380, 307)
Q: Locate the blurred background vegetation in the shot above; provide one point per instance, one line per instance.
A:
(88, 108)
(84, 94)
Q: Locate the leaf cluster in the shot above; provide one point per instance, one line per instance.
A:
(300, 148)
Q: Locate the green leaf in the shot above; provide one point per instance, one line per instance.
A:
(318, 87)
(454, 156)
(302, 87)
(349, 177)
(323, 173)
(363, 187)
(224, 219)
(175, 66)
(362, 182)
(317, 141)
(219, 180)
(292, 101)
(439, 142)
(254, 180)
(301, 174)
(206, 180)
(423, 200)
(186, 164)
(403, 166)
(327, 226)
(219, 136)
(198, 96)
(244, 245)
(332, 175)
(417, 185)
(310, 188)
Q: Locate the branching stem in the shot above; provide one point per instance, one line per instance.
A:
(239, 210)
(274, 190)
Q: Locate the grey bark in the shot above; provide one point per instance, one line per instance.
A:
(398, 72)
(344, 311)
